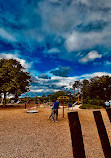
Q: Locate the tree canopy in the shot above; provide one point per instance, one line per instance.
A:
(96, 88)
(77, 84)
(13, 78)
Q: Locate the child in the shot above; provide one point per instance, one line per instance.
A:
(51, 107)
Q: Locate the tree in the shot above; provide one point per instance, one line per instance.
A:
(97, 87)
(13, 78)
(101, 87)
(77, 84)
(85, 88)
(43, 95)
(68, 93)
(55, 95)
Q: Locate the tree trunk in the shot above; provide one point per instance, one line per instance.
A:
(78, 89)
(4, 100)
(16, 97)
(73, 92)
(0, 98)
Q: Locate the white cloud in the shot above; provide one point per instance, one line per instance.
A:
(53, 51)
(91, 56)
(54, 21)
(44, 90)
(87, 76)
(23, 62)
(54, 1)
(57, 83)
(37, 90)
(6, 35)
(107, 62)
(76, 41)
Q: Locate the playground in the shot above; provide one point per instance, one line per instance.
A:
(32, 135)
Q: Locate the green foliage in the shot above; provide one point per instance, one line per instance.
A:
(55, 95)
(90, 106)
(44, 99)
(85, 89)
(13, 78)
(95, 101)
(95, 90)
(97, 87)
(77, 84)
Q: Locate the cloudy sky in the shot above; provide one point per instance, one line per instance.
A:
(57, 41)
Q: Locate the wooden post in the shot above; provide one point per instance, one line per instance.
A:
(109, 113)
(102, 134)
(4, 100)
(25, 106)
(76, 135)
(63, 107)
(25, 102)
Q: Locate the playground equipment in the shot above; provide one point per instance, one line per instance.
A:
(31, 108)
(25, 106)
(32, 111)
(79, 100)
(62, 98)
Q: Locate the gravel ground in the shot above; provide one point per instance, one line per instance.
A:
(24, 135)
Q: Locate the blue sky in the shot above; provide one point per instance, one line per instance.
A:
(57, 41)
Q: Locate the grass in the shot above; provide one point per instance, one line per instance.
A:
(90, 106)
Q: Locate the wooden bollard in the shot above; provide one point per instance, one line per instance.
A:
(102, 134)
(76, 135)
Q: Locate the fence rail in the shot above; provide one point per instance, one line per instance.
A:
(77, 138)
(76, 135)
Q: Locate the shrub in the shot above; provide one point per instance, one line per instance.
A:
(97, 102)
(90, 106)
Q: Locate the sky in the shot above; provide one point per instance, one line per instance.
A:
(57, 41)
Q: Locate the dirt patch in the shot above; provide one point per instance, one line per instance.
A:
(24, 135)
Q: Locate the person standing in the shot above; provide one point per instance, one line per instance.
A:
(55, 111)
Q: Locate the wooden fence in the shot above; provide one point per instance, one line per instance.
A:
(77, 138)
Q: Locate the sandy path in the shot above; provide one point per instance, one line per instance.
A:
(25, 135)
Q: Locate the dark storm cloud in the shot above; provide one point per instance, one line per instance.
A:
(62, 71)
(44, 76)
(47, 86)
(93, 26)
